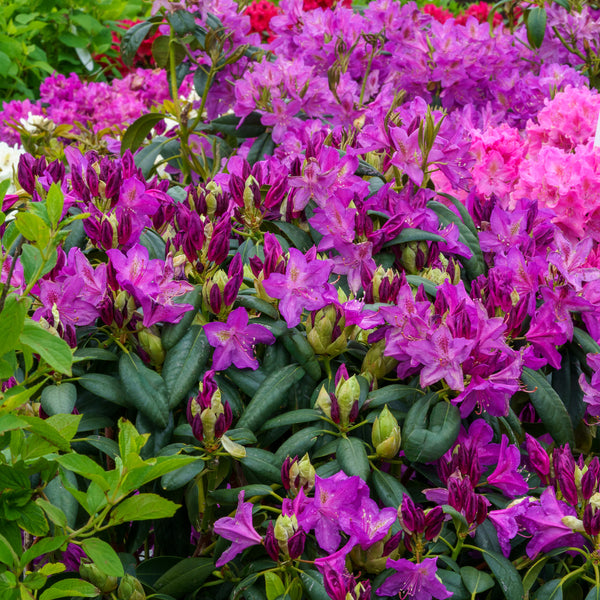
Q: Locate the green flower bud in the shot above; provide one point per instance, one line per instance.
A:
(347, 393)
(301, 475)
(386, 434)
(326, 331)
(324, 402)
(130, 589)
(375, 364)
(90, 572)
(213, 299)
(414, 256)
(152, 344)
(285, 527)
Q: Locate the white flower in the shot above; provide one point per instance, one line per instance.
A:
(9, 161)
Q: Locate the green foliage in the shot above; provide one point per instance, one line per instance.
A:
(39, 37)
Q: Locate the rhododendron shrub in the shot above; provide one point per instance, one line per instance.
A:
(327, 326)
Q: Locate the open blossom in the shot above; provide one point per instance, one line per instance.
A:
(304, 286)
(238, 529)
(233, 341)
(414, 581)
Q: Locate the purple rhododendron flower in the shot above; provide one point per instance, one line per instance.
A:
(414, 581)
(304, 285)
(239, 530)
(233, 341)
(544, 520)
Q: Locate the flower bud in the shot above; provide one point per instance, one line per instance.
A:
(591, 520)
(297, 474)
(130, 589)
(326, 331)
(212, 292)
(270, 543)
(347, 393)
(414, 256)
(324, 402)
(386, 434)
(152, 345)
(90, 572)
(573, 523)
(375, 364)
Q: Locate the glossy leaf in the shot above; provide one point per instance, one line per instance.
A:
(104, 557)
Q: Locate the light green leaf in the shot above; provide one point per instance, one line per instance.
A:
(143, 507)
(54, 350)
(104, 557)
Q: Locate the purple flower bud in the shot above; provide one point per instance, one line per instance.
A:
(285, 471)
(197, 428)
(218, 247)
(214, 299)
(25, 173)
(124, 229)
(296, 544)
(335, 409)
(564, 470)
(412, 516)
(271, 544)
(539, 460)
(236, 187)
(113, 186)
(92, 180)
(589, 480)
(434, 520)
(392, 543)
(106, 234)
(591, 520)
(224, 420)
(256, 265)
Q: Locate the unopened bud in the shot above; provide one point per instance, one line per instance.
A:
(130, 589)
(386, 434)
(375, 364)
(347, 393)
(152, 344)
(90, 572)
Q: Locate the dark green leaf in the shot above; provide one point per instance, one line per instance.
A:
(475, 580)
(138, 131)
(173, 332)
(182, 476)
(104, 386)
(145, 389)
(551, 590)
(475, 265)
(413, 235)
(427, 439)
(262, 146)
(549, 407)
(594, 593)
(298, 237)
(182, 22)
(352, 457)
(132, 40)
(230, 496)
(587, 343)
(200, 81)
(230, 125)
(184, 363)
(536, 26)
(186, 576)
(263, 464)
(258, 305)
(271, 394)
(506, 575)
(57, 399)
(388, 488)
(428, 285)
(391, 393)
(85, 354)
(295, 417)
(299, 443)
(312, 582)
